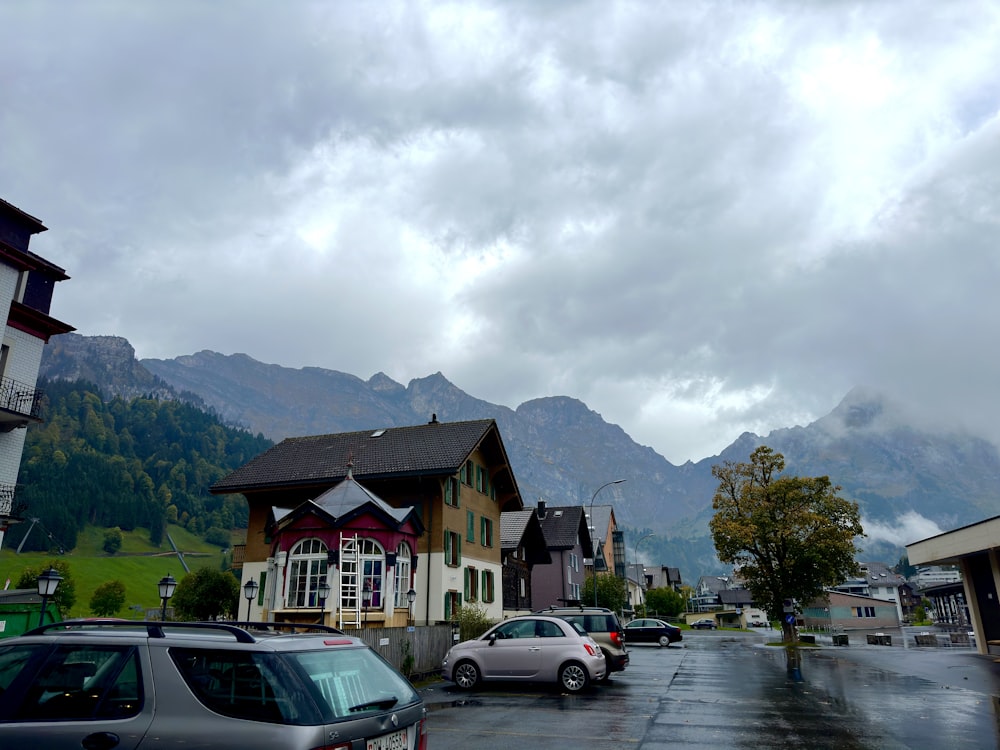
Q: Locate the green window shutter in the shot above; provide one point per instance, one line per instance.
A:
(458, 543)
(447, 606)
(260, 591)
(449, 492)
(447, 547)
(482, 530)
(470, 526)
(466, 581)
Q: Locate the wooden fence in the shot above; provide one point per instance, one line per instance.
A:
(427, 646)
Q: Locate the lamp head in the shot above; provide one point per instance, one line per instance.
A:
(250, 588)
(48, 582)
(167, 585)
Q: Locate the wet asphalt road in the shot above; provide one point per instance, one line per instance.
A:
(730, 690)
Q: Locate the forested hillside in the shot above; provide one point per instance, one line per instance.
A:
(129, 463)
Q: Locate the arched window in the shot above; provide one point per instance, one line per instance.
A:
(306, 568)
(402, 574)
(367, 565)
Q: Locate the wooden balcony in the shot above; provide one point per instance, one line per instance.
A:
(239, 555)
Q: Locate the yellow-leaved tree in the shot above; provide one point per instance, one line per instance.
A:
(788, 537)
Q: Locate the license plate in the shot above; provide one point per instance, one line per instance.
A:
(394, 741)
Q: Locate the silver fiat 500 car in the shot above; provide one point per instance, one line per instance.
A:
(150, 686)
(529, 648)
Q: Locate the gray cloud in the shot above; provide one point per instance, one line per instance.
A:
(699, 220)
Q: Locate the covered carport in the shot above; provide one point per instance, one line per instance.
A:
(974, 549)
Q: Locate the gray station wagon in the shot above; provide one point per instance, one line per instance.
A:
(150, 686)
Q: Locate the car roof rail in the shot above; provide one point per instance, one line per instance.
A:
(292, 627)
(154, 629)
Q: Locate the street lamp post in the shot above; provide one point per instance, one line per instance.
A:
(322, 593)
(366, 597)
(594, 497)
(250, 591)
(48, 582)
(166, 586)
(411, 596)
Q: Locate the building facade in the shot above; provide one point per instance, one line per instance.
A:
(27, 282)
(455, 475)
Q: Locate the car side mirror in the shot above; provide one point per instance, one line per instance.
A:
(493, 638)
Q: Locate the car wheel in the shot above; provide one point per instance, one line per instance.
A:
(664, 640)
(466, 675)
(573, 677)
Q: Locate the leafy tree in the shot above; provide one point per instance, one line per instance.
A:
(108, 599)
(113, 540)
(65, 596)
(788, 536)
(611, 592)
(664, 602)
(206, 594)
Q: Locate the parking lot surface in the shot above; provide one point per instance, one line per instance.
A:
(721, 689)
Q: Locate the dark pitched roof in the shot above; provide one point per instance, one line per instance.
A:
(565, 526)
(736, 597)
(521, 527)
(432, 448)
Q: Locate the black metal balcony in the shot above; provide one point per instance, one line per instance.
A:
(10, 508)
(20, 403)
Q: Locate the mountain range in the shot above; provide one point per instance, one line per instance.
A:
(909, 481)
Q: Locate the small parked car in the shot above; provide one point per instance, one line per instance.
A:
(705, 623)
(528, 648)
(648, 630)
(153, 686)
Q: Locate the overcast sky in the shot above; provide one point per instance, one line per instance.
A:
(698, 218)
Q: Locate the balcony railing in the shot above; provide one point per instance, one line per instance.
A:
(19, 403)
(239, 555)
(10, 508)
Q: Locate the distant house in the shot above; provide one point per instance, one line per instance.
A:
(27, 282)
(706, 593)
(608, 541)
(568, 542)
(850, 612)
(522, 547)
(662, 577)
(456, 479)
(879, 581)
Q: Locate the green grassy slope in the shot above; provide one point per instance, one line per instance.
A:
(138, 565)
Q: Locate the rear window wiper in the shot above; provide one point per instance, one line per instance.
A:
(382, 703)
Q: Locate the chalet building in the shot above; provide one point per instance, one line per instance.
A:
(27, 282)
(522, 547)
(349, 540)
(568, 542)
(452, 479)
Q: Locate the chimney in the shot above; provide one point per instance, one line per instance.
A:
(434, 419)
(541, 508)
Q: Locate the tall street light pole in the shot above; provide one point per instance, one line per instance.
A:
(594, 497)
